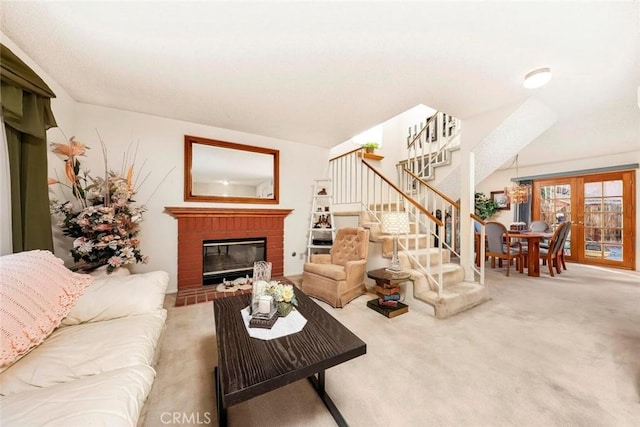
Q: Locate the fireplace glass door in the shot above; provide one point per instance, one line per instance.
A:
(231, 259)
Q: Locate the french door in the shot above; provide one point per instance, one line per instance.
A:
(601, 209)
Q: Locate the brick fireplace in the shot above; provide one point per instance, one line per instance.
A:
(196, 225)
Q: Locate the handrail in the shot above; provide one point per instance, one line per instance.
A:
(435, 190)
(441, 194)
(406, 196)
(376, 187)
(345, 154)
(429, 120)
(358, 185)
(480, 220)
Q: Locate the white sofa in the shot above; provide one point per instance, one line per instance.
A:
(96, 366)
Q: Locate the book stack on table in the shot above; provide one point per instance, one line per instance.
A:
(264, 320)
(388, 296)
(388, 302)
(265, 323)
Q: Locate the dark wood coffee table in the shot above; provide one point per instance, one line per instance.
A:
(248, 367)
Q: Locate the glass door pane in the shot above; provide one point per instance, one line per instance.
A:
(555, 207)
(601, 209)
(603, 220)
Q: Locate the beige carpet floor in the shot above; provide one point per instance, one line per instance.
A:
(562, 351)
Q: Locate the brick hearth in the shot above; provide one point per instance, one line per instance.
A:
(204, 294)
(198, 224)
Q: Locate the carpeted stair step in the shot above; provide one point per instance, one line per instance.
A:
(414, 242)
(455, 298)
(375, 232)
(427, 256)
(386, 207)
(451, 274)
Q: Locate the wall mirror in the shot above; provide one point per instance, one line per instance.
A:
(227, 172)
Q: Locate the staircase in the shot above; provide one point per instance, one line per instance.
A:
(430, 252)
(433, 251)
(437, 280)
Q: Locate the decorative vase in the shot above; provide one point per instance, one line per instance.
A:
(284, 308)
(102, 271)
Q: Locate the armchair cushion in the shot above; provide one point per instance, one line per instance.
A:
(321, 258)
(331, 271)
(349, 248)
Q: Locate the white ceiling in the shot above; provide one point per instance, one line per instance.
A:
(321, 72)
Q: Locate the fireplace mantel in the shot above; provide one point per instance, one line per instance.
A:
(196, 224)
(182, 211)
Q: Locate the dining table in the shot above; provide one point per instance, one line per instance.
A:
(533, 244)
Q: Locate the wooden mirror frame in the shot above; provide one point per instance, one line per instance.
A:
(190, 196)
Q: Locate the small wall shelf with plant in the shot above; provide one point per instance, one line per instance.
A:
(484, 206)
(369, 148)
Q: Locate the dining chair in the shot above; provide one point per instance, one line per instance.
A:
(499, 246)
(563, 245)
(551, 255)
(476, 245)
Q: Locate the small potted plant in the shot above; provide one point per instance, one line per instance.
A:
(370, 146)
(485, 207)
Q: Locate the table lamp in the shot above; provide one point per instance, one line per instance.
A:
(395, 223)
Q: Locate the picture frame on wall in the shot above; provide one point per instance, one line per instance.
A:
(500, 198)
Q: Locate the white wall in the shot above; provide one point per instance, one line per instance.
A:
(161, 146)
(394, 139)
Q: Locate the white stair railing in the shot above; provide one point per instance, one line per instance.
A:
(358, 183)
(448, 210)
(430, 146)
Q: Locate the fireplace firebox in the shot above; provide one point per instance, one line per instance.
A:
(230, 259)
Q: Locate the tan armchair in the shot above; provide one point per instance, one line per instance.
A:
(338, 277)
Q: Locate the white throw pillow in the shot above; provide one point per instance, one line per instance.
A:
(112, 297)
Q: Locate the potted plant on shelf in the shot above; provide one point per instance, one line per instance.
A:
(484, 206)
(370, 146)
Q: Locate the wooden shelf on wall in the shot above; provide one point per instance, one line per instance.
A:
(370, 156)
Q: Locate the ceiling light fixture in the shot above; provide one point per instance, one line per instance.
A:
(517, 193)
(537, 78)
